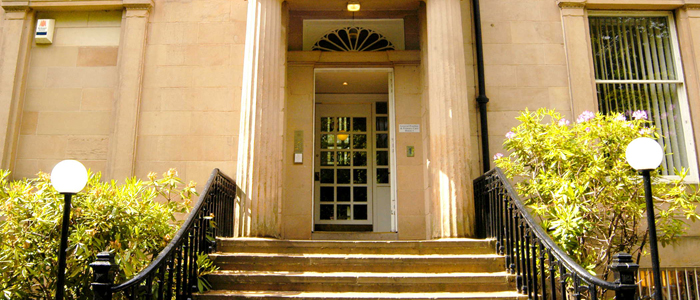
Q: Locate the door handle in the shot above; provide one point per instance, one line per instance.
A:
(317, 176)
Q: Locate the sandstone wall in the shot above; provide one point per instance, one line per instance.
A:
(69, 93)
(190, 109)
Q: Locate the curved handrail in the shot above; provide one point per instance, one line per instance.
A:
(179, 258)
(498, 200)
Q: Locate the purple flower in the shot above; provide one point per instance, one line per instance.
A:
(563, 122)
(585, 116)
(510, 135)
(639, 114)
(588, 129)
(620, 118)
(498, 156)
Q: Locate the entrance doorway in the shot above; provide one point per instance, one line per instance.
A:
(354, 177)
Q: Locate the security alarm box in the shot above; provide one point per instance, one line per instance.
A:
(44, 31)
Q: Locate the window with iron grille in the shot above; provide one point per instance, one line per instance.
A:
(638, 68)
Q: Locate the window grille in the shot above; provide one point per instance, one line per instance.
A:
(353, 39)
(637, 67)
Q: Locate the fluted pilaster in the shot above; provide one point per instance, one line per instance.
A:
(14, 51)
(451, 184)
(132, 55)
(260, 144)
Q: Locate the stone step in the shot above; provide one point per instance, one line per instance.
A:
(216, 295)
(361, 282)
(385, 263)
(446, 246)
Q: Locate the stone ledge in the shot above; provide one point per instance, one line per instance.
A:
(49, 5)
(384, 57)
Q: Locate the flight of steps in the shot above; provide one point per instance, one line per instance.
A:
(288, 269)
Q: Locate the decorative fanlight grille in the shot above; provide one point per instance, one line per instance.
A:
(353, 39)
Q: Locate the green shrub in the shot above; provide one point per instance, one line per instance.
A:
(576, 180)
(135, 220)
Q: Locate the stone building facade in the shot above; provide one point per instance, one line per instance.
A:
(385, 142)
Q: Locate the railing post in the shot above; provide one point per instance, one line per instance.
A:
(103, 275)
(624, 272)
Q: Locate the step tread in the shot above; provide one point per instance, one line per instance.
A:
(366, 256)
(359, 274)
(360, 295)
(354, 242)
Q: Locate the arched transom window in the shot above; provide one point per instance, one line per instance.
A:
(353, 39)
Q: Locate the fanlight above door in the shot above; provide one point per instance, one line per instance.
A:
(353, 39)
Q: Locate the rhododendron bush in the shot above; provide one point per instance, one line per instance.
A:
(574, 177)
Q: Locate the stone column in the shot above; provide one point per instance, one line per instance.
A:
(448, 105)
(122, 148)
(16, 40)
(261, 137)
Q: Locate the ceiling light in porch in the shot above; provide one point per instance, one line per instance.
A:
(345, 83)
(354, 6)
(342, 136)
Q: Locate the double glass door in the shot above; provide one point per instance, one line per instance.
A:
(343, 164)
(352, 165)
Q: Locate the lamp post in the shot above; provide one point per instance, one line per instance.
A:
(645, 155)
(68, 178)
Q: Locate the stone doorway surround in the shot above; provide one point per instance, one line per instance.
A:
(266, 146)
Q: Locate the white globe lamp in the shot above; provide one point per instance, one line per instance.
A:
(69, 177)
(644, 154)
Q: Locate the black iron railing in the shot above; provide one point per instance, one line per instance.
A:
(173, 273)
(543, 271)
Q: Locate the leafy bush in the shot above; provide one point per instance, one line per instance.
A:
(576, 180)
(135, 220)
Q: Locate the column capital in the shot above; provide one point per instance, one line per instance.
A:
(16, 10)
(138, 4)
(572, 3)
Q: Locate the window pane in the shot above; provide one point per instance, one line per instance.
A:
(660, 101)
(343, 194)
(327, 176)
(360, 176)
(343, 158)
(382, 124)
(360, 212)
(343, 212)
(343, 175)
(382, 108)
(326, 212)
(359, 141)
(382, 140)
(344, 144)
(382, 175)
(326, 158)
(632, 48)
(382, 158)
(360, 194)
(360, 158)
(344, 124)
(359, 124)
(640, 48)
(327, 194)
(327, 141)
(327, 124)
